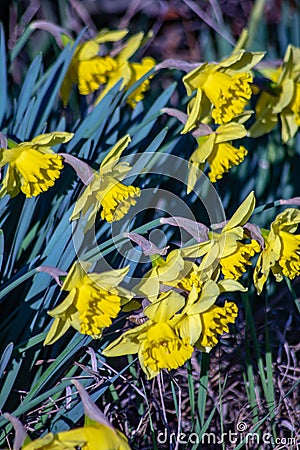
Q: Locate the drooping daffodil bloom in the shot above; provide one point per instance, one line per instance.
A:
(138, 70)
(129, 72)
(155, 341)
(201, 321)
(228, 250)
(222, 89)
(105, 190)
(281, 253)
(165, 271)
(88, 70)
(217, 150)
(280, 98)
(32, 167)
(93, 300)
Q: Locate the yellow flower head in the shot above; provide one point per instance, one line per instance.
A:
(92, 302)
(234, 265)
(87, 69)
(116, 199)
(201, 321)
(138, 70)
(33, 166)
(227, 249)
(156, 341)
(226, 86)
(216, 149)
(215, 322)
(161, 348)
(130, 72)
(281, 254)
(85, 438)
(106, 191)
(283, 101)
(164, 271)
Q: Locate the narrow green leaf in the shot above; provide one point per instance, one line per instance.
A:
(143, 129)
(5, 357)
(1, 247)
(27, 92)
(3, 76)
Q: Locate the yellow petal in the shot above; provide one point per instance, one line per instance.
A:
(132, 45)
(229, 132)
(75, 275)
(190, 328)
(231, 286)
(58, 329)
(106, 35)
(243, 213)
(87, 50)
(127, 343)
(114, 155)
(242, 61)
(165, 306)
(194, 113)
(208, 297)
(51, 139)
(109, 279)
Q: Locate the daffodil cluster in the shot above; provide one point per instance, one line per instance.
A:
(185, 299)
(219, 94)
(181, 293)
(179, 300)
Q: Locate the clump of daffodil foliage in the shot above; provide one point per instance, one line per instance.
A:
(88, 146)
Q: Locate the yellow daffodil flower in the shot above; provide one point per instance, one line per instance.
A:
(217, 150)
(85, 438)
(156, 342)
(224, 86)
(164, 272)
(129, 72)
(93, 300)
(201, 321)
(281, 99)
(281, 254)
(88, 70)
(106, 191)
(138, 70)
(33, 166)
(227, 249)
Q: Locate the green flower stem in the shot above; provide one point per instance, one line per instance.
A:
(293, 293)
(20, 44)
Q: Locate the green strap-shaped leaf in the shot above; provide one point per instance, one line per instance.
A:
(3, 76)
